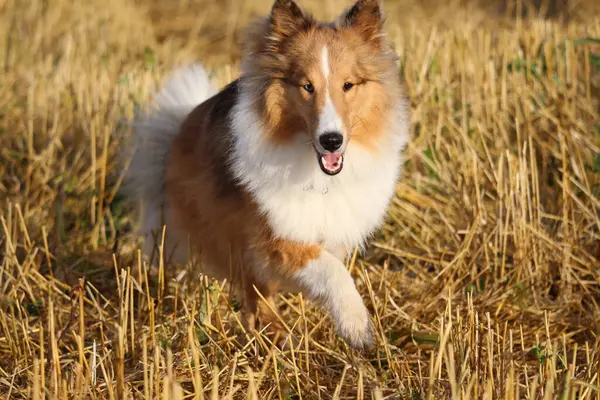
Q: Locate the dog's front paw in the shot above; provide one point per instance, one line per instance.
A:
(354, 325)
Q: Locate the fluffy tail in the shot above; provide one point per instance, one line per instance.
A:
(153, 134)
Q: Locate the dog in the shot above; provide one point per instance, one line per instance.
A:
(274, 180)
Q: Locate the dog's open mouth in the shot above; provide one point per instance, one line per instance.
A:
(331, 163)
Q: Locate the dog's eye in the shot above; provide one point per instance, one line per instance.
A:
(348, 86)
(309, 88)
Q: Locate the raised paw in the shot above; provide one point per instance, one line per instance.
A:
(354, 325)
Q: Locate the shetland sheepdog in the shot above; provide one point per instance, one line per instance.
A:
(275, 179)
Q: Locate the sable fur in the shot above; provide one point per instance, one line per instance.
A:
(237, 176)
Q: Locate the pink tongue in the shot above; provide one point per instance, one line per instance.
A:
(331, 159)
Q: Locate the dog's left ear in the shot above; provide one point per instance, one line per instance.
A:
(366, 17)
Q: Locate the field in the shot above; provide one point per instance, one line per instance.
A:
(483, 283)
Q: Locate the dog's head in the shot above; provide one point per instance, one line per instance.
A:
(333, 82)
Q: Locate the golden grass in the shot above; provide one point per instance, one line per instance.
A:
(484, 283)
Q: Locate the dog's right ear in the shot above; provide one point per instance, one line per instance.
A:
(287, 18)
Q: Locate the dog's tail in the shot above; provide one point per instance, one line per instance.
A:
(153, 134)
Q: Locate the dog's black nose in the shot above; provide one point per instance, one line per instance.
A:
(331, 141)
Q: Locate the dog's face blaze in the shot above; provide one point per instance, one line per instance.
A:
(333, 82)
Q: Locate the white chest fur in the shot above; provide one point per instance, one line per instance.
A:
(301, 202)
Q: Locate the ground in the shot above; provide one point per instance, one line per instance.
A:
(483, 283)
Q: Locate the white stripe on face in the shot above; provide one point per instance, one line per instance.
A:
(325, 62)
(329, 120)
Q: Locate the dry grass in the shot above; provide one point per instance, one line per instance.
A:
(485, 282)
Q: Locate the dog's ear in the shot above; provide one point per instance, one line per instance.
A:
(366, 17)
(288, 18)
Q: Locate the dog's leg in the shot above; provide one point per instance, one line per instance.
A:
(250, 307)
(323, 278)
(340, 253)
(260, 313)
(255, 310)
